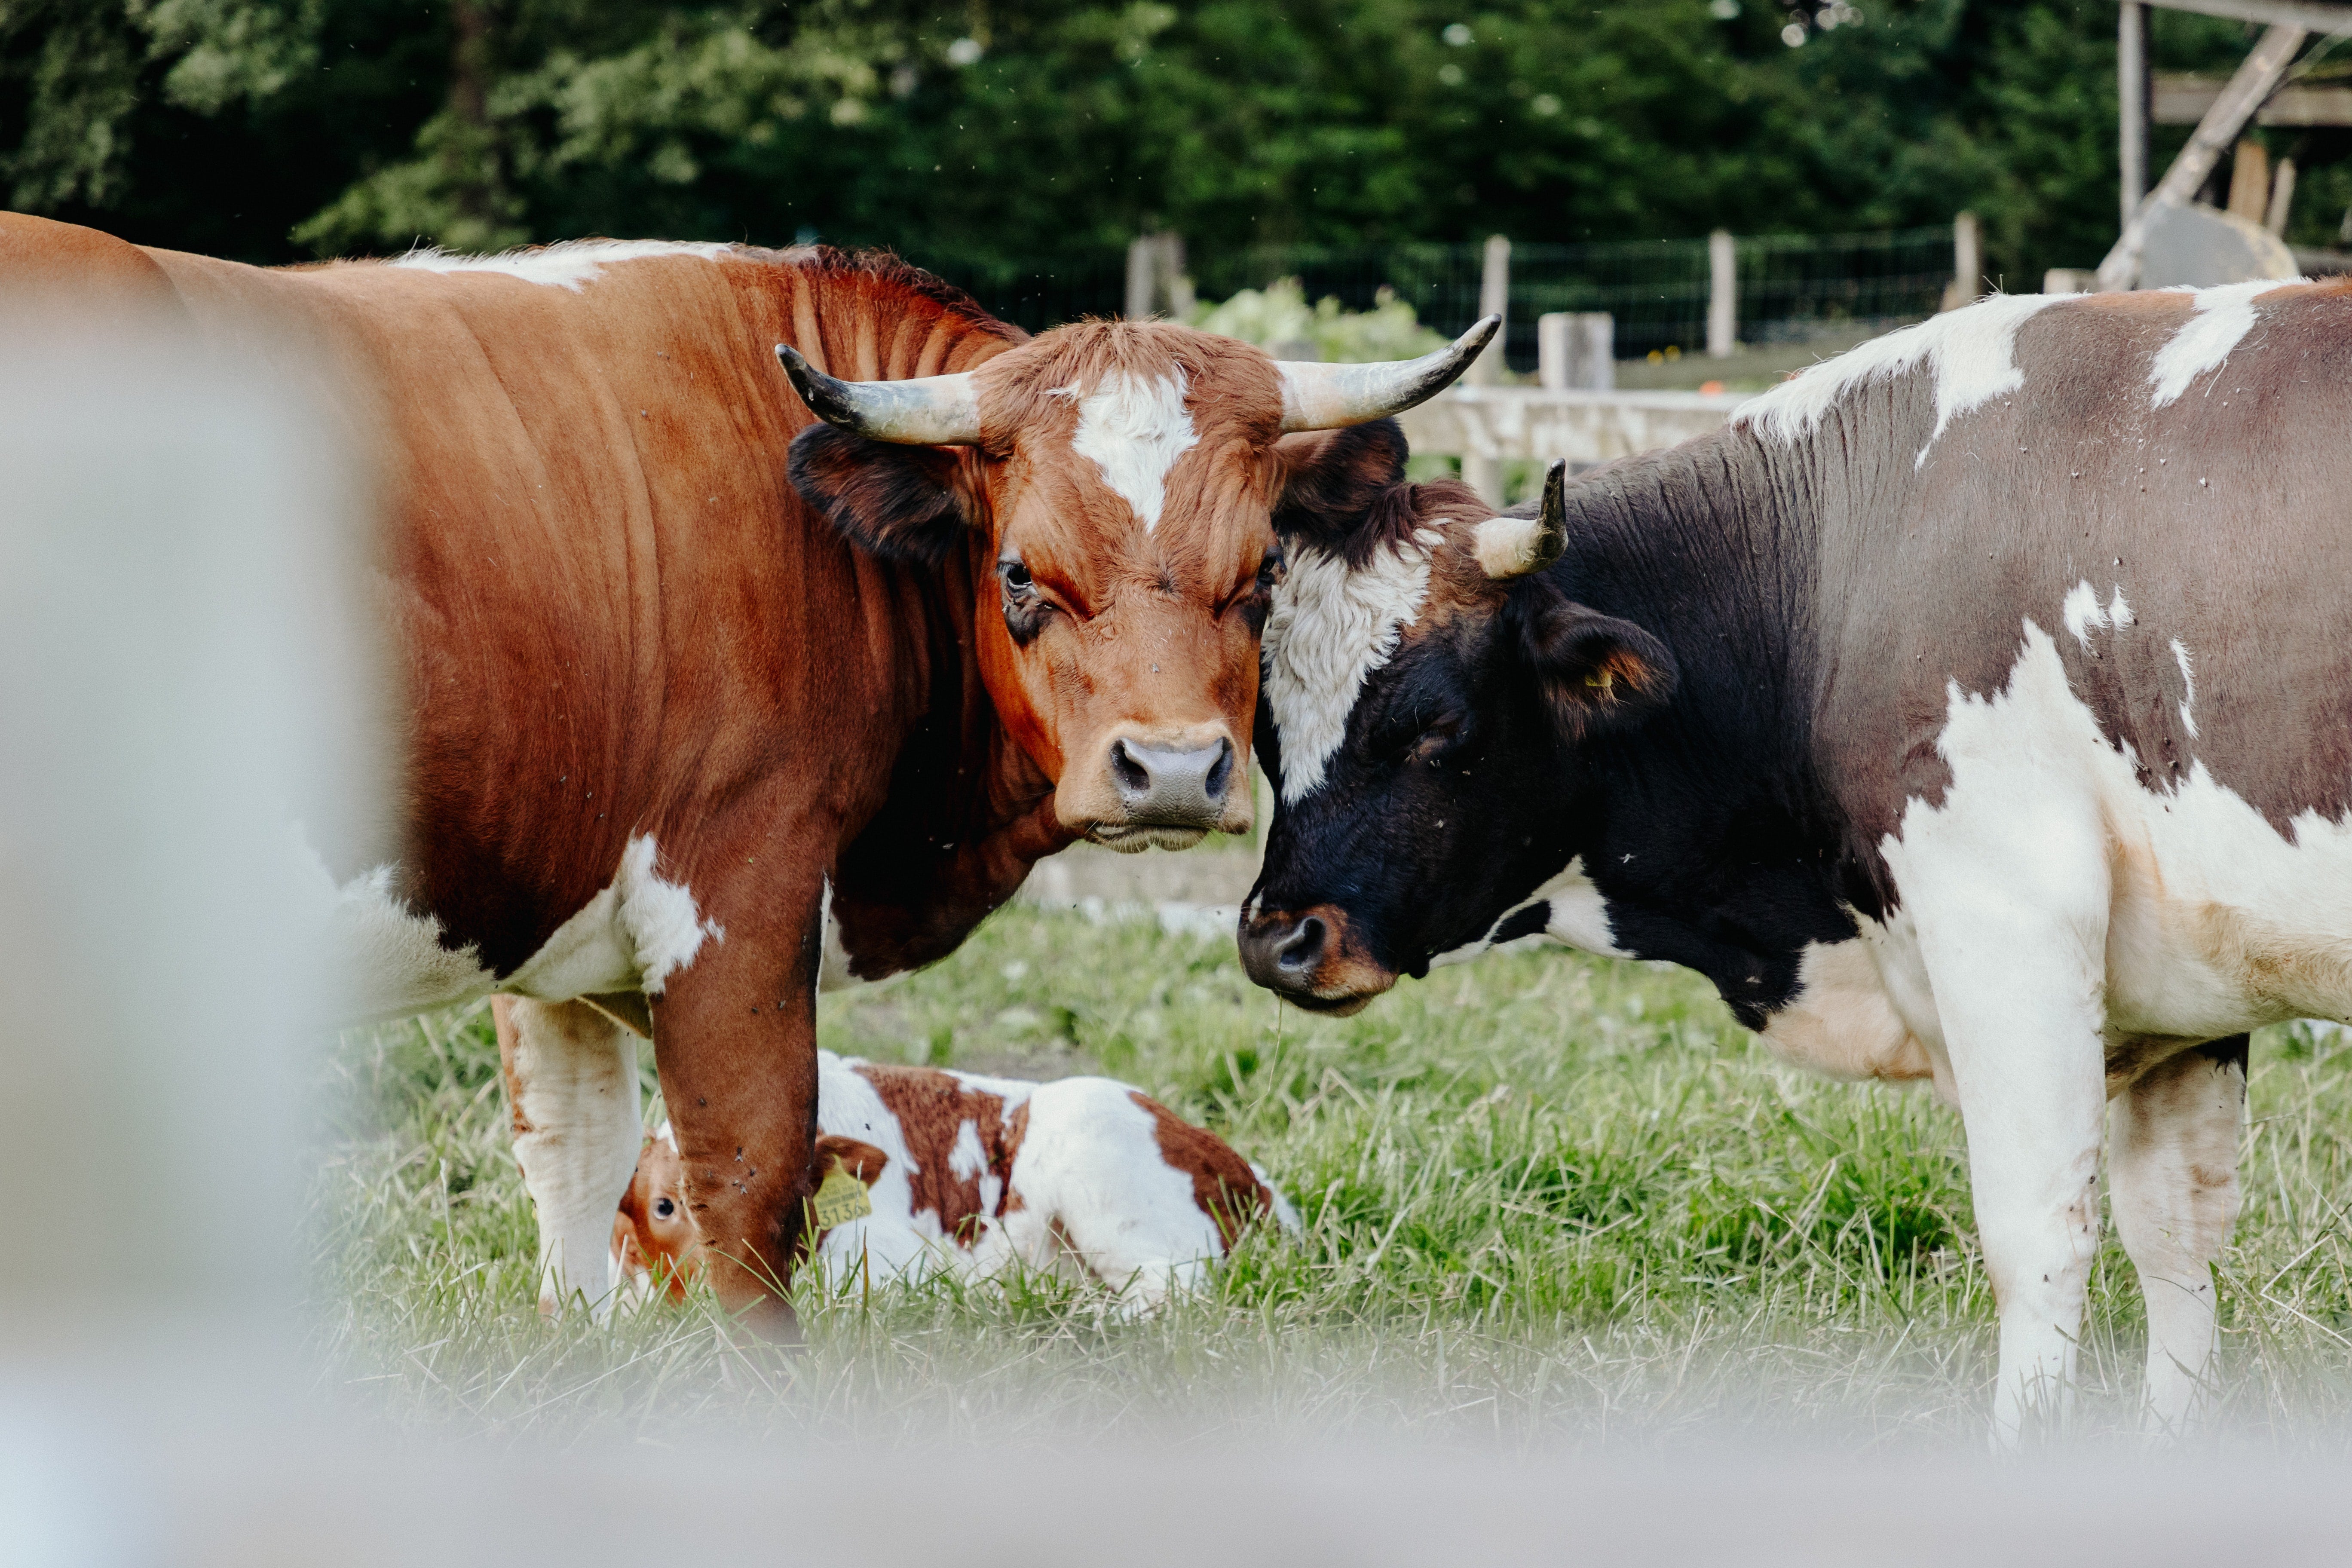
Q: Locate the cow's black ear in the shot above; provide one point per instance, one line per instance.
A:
(1598, 675)
(1340, 490)
(897, 503)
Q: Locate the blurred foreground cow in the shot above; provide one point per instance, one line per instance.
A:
(675, 677)
(969, 1176)
(1978, 707)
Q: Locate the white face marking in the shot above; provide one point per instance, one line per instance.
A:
(565, 265)
(1970, 350)
(1328, 629)
(2219, 318)
(1134, 428)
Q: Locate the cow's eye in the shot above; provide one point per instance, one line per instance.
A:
(664, 1208)
(1434, 742)
(1025, 609)
(1269, 571)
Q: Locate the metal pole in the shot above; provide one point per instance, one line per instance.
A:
(1722, 295)
(2132, 90)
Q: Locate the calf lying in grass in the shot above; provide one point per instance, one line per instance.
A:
(922, 1171)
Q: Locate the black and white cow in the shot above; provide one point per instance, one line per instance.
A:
(1976, 706)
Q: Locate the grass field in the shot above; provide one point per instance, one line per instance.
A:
(1550, 1201)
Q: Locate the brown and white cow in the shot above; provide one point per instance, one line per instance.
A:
(670, 669)
(969, 1176)
(1977, 708)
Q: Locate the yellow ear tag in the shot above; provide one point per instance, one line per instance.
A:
(840, 1198)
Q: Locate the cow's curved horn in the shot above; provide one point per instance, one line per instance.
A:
(1327, 396)
(926, 411)
(1515, 546)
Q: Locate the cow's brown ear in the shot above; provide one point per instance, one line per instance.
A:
(1342, 491)
(899, 503)
(1596, 673)
(863, 1161)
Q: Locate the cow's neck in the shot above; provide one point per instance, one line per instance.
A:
(1713, 842)
(967, 815)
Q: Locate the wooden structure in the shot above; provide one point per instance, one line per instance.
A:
(2234, 105)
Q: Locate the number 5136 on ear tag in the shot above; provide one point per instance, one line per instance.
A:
(840, 1198)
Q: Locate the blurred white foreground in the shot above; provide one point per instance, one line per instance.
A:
(182, 678)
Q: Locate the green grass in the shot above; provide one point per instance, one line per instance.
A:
(1548, 1200)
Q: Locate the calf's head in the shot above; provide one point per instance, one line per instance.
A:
(1115, 480)
(1433, 691)
(654, 1237)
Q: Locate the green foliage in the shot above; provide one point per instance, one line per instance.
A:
(1545, 1199)
(1279, 315)
(993, 137)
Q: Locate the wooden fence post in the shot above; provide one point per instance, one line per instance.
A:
(1722, 295)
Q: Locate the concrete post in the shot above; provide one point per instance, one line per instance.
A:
(1138, 277)
(2132, 84)
(1483, 474)
(1576, 351)
(1968, 263)
(1722, 295)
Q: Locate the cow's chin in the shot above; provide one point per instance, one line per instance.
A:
(1333, 1006)
(1129, 840)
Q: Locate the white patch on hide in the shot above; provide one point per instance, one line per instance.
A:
(1577, 916)
(1970, 352)
(1842, 1023)
(2082, 614)
(1328, 629)
(394, 956)
(2219, 319)
(565, 265)
(632, 936)
(1134, 428)
(2188, 679)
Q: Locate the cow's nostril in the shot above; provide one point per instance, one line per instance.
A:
(1131, 776)
(1304, 950)
(1221, 773)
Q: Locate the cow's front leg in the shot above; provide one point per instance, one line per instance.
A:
(2173, 1160)
(735, 1038)
(571, 1087)
(2009, 904)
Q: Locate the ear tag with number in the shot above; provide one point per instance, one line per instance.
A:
(840, 1198)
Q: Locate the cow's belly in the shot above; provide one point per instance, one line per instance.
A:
(2218, 924)
(639, 930)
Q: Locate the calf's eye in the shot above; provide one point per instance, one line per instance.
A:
(665, 1208)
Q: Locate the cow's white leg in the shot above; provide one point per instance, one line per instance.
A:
(571, 1085)
(2173, 1162)
(2009, 893)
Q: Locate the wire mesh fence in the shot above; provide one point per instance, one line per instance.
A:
(1791, 287)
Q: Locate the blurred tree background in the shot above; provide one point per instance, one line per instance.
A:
(997, 130)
